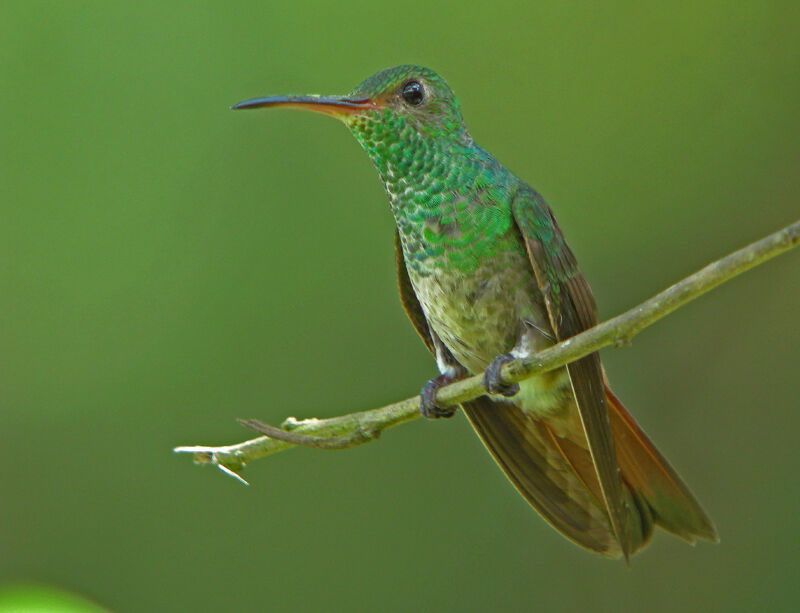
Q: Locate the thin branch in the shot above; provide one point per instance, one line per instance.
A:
(362, 427)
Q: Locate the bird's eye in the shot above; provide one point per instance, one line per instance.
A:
(413, 93)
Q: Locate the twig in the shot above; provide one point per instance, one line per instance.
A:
(357, 428)
(356, 437)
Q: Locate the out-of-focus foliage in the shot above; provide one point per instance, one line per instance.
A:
(167, 265)
(41, 599)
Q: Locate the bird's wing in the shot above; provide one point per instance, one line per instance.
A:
(409, 298)
(571, 309)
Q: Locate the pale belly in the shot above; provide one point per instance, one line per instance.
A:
(495, 309)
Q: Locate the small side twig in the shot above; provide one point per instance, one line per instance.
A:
(359, 436)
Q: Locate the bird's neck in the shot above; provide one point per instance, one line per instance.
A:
(416, 166)
(445, 192)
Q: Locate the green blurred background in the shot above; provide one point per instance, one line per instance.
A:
(167, 266)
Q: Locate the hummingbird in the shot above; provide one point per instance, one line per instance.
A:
(486, 276)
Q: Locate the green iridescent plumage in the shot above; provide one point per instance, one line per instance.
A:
(485, 274)
(449, 197)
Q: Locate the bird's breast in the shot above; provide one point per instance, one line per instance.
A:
(478, 313)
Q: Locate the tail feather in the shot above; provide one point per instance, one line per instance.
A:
(674, 507)
(537, 468)
(556, 476)
(639, 520)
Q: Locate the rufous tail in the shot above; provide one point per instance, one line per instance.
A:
(646, 471)
(556, 476)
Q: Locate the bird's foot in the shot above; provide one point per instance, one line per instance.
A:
(427, 404)
(491, 377)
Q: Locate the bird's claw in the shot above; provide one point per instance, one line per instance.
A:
(427, 404)
(491, 377)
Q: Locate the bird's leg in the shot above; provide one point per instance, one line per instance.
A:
(427, 405)
(451, 371)
(491, 377)
(531, 336)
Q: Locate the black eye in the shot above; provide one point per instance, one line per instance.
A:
(413, 93)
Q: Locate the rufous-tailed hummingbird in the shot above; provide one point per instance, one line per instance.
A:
(485, 276)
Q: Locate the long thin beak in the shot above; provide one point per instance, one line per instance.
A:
(328, 105)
